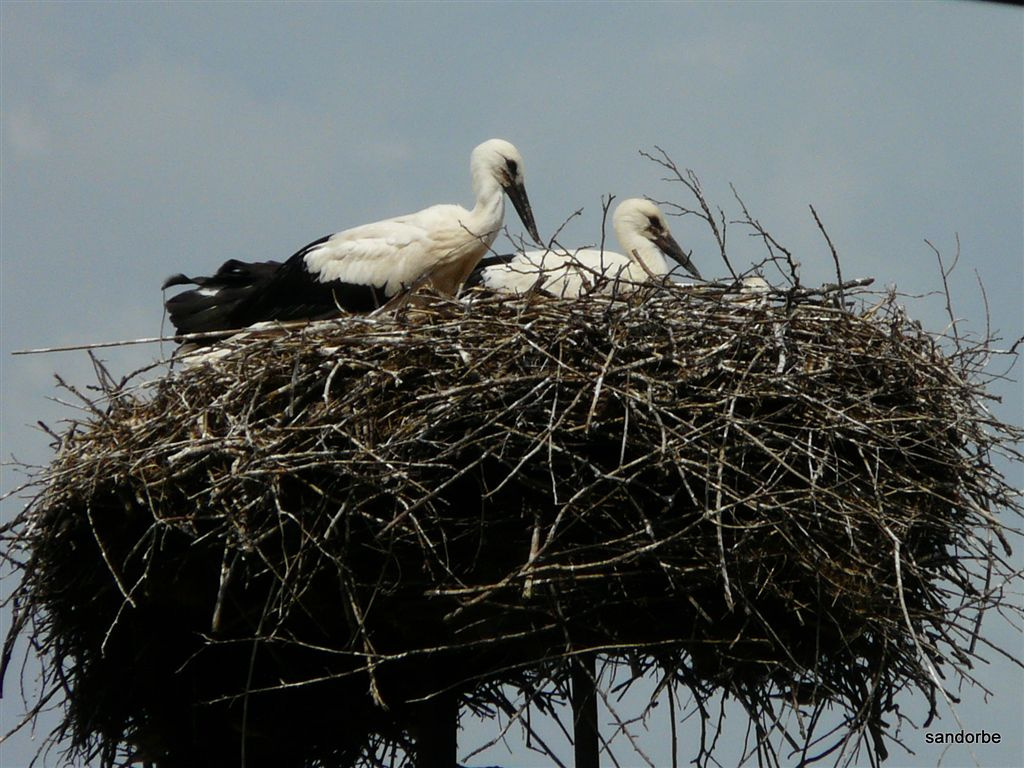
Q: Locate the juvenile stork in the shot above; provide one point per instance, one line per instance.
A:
(643, 233)
(359, 269)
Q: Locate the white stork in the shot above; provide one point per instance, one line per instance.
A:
(359, 269)
(749, 291)
(643, 234)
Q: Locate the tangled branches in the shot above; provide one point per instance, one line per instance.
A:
(285, 552)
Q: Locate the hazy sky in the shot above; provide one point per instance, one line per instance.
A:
(140, 140)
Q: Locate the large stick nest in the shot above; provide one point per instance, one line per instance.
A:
(285, 554)
(308, 534)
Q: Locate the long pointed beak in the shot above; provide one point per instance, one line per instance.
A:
(517, 194)
(668, 245)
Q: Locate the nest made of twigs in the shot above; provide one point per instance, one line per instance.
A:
(294, 543)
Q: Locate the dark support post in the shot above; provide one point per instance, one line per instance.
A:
(437, 740)
(584, 709)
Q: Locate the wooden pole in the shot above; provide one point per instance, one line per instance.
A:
(584, 710)
(437, 741)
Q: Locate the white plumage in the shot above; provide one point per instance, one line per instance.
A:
(643, 233)
(360, 268)
(749, 291)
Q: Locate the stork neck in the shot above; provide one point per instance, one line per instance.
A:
(647, 252)
(489, 211)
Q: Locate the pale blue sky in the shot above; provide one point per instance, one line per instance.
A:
(140, 140)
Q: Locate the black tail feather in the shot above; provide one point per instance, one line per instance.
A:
(214, 304)
(243, 293)
(178, 279)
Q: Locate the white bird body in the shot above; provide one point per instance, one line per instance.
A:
(651, 252)
(418, 245)
(359, 269)
(562, 273)
(753, 291)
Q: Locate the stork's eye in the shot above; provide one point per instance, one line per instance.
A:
(653, 224)
(513, 167)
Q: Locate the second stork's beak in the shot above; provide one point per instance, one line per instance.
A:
(668, 245)
(516, 192)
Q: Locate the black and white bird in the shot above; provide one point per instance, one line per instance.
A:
(359, 269)
(643, 233)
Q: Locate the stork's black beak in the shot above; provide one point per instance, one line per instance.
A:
(516, 192)
(668, 245)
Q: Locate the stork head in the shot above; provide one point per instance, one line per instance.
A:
(640, 223)
(499, 161)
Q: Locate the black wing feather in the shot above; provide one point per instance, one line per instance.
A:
(476, 277)
(243, 293)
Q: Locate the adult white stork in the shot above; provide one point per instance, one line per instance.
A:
(643, 234)
(359, 269)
